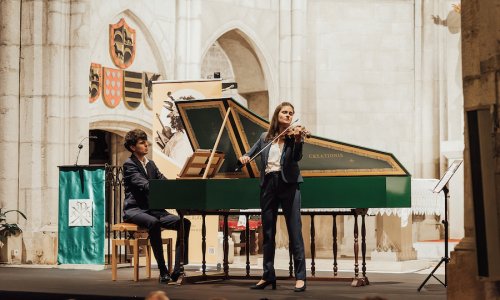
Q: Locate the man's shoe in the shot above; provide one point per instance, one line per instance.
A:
(164, 278)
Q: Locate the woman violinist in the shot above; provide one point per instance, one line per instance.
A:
(279, 182)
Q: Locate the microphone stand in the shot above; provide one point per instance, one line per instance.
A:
(80, 146)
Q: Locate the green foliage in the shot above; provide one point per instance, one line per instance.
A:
(7, 229)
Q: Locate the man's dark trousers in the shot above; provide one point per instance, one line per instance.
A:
(154, 221)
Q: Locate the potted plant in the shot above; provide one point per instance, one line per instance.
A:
(10, 238)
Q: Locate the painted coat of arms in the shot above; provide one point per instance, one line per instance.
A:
(112, 92)
(95, 77)
(122, 44)
(132, 89)
(149, 77)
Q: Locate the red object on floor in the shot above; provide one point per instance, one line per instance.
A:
(233, 224)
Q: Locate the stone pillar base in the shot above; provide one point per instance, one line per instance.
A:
(463, 282)
(11, 249)
(40, 248)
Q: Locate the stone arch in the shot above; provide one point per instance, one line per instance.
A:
(122, 126)
(118, 129)
(250, 62)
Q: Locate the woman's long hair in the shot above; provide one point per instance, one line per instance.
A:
(274, 129)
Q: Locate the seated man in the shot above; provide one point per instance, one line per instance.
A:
(137, 170)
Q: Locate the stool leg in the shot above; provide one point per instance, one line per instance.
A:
(136, 260)
(169, 254)
(148, 260)
(113, 260)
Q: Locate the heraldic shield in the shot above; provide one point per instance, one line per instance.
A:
(122, 44)
(112, 87)
(95, 79)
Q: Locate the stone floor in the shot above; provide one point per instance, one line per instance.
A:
(35, 282)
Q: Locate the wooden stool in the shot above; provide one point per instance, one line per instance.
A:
(140, 239)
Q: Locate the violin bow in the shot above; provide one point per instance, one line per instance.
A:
(240, 165)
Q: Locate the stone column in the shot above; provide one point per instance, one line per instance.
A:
(480, 34)
(292, 35)
(58, 107)
(53, 110)
(451, 109)
(285, 45)
(298, 36)
(194, 64)
(181, 39)
(188, 40)
(32, 130)
(462, 269)
(10, 33)
(77, 93)
(426, 94)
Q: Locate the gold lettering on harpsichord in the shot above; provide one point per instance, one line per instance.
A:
(325, 155)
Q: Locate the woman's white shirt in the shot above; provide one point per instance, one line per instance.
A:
(273, 161)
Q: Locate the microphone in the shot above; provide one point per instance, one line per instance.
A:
(80, 146)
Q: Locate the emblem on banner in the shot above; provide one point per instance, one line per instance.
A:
(149, 77)
(122, 44)
(132, 89)
(80, 212)
(95, 77)
(112, 87)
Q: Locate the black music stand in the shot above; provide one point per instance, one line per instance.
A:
(442, 185)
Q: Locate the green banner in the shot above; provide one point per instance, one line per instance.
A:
(81, 215)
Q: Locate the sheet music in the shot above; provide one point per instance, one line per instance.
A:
(446, 177)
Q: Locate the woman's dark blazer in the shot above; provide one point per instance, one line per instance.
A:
(292, 154)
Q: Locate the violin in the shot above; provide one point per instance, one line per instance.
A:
(293, 131)
(298, 131)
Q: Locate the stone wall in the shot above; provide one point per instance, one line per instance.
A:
(480, 67)
(44, 112)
